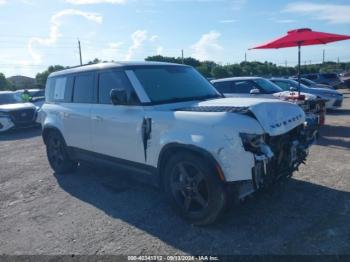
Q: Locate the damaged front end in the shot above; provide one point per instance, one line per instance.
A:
(276, 157)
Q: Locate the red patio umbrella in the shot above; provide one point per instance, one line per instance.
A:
(301, 37)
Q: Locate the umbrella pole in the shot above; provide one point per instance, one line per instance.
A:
(299, 69)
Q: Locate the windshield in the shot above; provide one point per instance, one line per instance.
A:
(306, 81)
(39, 93)
(296, 85)
(267, 86)
(330, 76)
(8, 99)
(174, 84)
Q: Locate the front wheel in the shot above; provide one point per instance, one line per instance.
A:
(57, 154)
(194, 188)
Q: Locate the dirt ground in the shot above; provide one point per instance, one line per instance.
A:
(97, 211)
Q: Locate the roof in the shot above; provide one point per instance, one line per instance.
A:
(236, 79)
(281, 79)
(6, 92)
(101, 66)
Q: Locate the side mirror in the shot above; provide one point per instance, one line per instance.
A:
(118, 96)
(254, 91)
(293, 89)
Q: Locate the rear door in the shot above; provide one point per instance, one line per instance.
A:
(77, 115)
(117, 130)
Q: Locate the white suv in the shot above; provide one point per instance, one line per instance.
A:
(169, 121)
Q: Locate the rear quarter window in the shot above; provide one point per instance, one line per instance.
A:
(83, 88)
(59, 89)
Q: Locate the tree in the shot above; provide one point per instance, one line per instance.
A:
(220, 72)
(95, 61)
(191, 61)
(160, 58)
(4, 83)
(41, 78)
(204, 70)
(234, 70)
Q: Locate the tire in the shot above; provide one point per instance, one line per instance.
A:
(194, 189)
(57, 155)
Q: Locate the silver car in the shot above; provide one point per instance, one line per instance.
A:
(334, 99)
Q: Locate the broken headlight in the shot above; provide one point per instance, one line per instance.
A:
(256, 144)
(252, 142)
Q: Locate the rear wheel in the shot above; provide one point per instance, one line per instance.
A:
(194, 188)
(57, 154)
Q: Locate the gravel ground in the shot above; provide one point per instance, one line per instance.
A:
(97, 211)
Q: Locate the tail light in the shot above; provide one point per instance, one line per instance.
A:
(296, 97)
(322, 116)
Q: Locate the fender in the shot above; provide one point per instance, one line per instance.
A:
(46, 129)
(171, 147)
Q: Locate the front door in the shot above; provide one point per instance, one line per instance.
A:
(117, 130)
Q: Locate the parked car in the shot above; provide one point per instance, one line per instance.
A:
(330, 79)
(257, 86)
(37, 96)
(168, 121)
(14, 113)
(311, 84)
(333, 98)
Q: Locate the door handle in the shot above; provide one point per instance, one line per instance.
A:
(97, 118)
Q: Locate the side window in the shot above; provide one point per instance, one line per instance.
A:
(224, 87)
(49, 89)
(284, 85)
(111, 80)
(55, 89)
(83, 88)
(311, 77)
(244, 87)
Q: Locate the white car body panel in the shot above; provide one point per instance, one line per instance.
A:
(6, 121)
(116, 130)
(17, 106)
(268, 112)
(169, 126)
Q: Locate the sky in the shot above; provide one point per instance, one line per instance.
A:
(38, 33)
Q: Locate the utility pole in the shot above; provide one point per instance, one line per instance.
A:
(324, 54)
(286, 64)
(81, 60)
(338, 60)
(182, 56)
(245, 57)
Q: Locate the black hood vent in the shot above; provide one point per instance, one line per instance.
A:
(228, 109)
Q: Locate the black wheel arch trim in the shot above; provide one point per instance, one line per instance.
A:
(192, 148)
(47, 129)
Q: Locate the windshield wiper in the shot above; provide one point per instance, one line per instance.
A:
(185, 99)
(206, 97)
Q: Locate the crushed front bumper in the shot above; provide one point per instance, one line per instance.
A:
(289, 151)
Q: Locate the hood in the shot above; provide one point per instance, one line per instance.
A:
(286, 94)
(321, 91)
(17, 106)
(322, 86)
(275, 116)
(270, 96)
